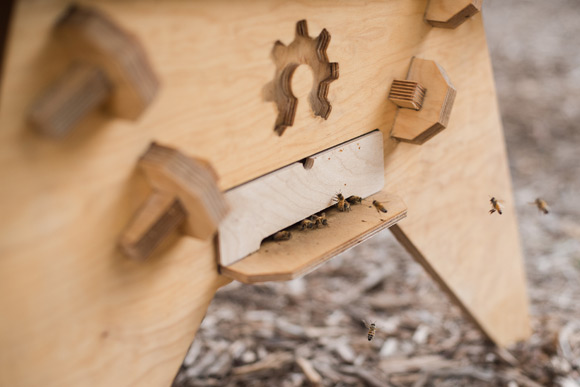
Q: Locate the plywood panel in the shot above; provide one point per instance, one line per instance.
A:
(78, 311)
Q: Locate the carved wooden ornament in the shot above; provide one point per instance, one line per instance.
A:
(303, 50)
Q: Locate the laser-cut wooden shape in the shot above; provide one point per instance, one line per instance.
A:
(451, 13)
(109, 67)
(418, 126)
(303, 50)
(185, 192)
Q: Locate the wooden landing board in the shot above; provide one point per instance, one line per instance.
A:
(273, 202)
(308, 249)
(72, 306)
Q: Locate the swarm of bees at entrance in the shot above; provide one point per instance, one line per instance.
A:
(343, 205)
(315, 221)
(319, 220)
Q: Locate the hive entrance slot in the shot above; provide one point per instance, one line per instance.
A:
(279, 199)
(306, 250)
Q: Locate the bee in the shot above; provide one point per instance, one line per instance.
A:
(542, 205)
(379, 206)
(319, 220)
(372, 327)
(496, 205)
(341, 203)
(307, 223)
(283, 235)
(354, 199)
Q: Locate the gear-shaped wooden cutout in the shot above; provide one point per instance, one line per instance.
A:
(303, 50)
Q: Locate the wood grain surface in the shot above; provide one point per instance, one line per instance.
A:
(81, 313)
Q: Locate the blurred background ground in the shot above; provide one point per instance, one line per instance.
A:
(291, 334)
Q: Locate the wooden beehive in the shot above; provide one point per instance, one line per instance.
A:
(80, 310)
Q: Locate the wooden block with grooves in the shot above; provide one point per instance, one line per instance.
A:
(407, 94)
(418, 126)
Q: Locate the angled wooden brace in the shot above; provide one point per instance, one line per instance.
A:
(185, 192)
(425, 100)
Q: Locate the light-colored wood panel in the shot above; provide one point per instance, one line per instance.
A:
(214, 65)
(308, 249)
(64, 204)
(275, 201)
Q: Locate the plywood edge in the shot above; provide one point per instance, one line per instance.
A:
(307, 250)
(281, 198)
(402, 238)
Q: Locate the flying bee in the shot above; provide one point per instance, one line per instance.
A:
(542, 205)
(379, 206)
(283, 235)
(496, 205)
(354, 199)
(319, 220)
(307, 223)
(341, 203)
(372, 327)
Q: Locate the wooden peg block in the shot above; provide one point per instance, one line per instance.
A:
(156, 220)
(286, 196)
(407, 94)
(418, 126)
(109, 68)
(185, 192)
(451, 13)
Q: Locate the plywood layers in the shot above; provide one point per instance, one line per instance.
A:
(79, 312)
